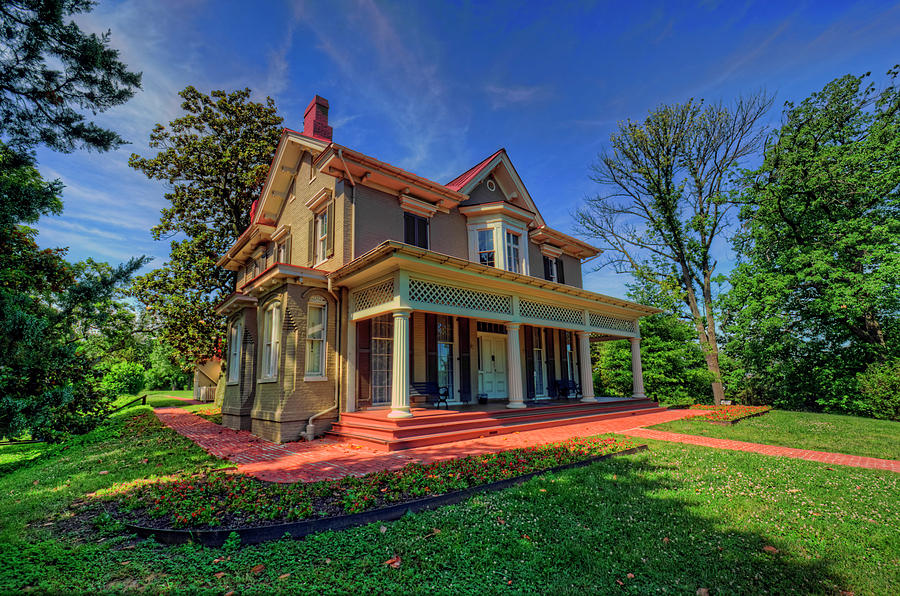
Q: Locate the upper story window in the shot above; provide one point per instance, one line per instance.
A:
(486, 247)
(234, 352)
(554, 270)
(321, 236)
(415, 230)
(283, 252)
(315, 339)
(513, 253)
(271, 341)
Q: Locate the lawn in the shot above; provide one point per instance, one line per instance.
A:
(676, 518)
(804, 430)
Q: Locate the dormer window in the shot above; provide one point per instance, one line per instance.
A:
(486, 247)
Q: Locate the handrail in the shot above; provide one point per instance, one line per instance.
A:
(142, 399)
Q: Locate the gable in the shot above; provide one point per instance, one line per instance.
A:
(499, 169)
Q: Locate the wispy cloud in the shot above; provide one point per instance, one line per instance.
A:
(504, 96)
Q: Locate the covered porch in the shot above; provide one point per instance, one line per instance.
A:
(430, 329)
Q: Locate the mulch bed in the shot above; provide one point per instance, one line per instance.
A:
(729, 415)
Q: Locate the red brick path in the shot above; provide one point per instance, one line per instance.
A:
(820, 456)
(329, 459)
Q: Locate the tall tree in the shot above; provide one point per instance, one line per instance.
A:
(215, 159)
(816, 298)
(51, 72)
(666, 184)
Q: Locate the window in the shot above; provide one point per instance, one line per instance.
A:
(486, 247)
(540, 389)
(321, 236)
(445, 352)
(283, 253)
(315, 340)
(560, 271)
(513, 260)
(550, 269)
(382, 355)
(570, 356)
(415, 230)
(271, 337)
(234, 352)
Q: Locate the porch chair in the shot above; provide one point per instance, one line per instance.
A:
(567, 388)
(433, 392)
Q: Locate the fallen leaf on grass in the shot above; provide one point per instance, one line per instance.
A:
(794, 490)
(393, 562)
(229, 593)
(770, 549)
(124, 562)
(434, 532)
(630, 576)
(327, 561)
(257, 569)
(382, 529)
(284, 576)
(218, 560)
(620, 582)
(666, 540)
(702, 592)
(220, 574)
(832, 469)
(102, 472)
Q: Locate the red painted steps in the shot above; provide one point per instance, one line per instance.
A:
(432, 427)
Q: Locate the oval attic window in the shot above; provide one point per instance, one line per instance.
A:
(491, 186)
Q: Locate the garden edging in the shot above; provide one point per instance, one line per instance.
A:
(300, 529)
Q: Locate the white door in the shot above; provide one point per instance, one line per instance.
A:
(492, 365)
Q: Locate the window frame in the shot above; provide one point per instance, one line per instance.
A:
(271, 341)
(488, 233)
(416, 220)
(320, 372)
(235, 338)
(321, 238)
(513, 262)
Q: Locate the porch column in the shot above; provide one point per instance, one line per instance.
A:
(636, 372)
(587, 370)
(400, 368)
(513, 367)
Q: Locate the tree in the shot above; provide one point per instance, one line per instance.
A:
(48, 386)
(816, 297)
(674, 368)
(215, 159)
(666, 184)
(51, 71)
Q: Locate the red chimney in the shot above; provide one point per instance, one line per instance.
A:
(315, 119)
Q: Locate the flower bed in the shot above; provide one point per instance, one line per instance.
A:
(235, 500)
(730, 414)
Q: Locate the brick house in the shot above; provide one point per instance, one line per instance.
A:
(363, 288)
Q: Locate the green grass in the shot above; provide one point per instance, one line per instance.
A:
(677, 517)
(804, 430)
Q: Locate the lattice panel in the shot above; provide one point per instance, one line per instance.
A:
(376, 295)
(608, 322)
(432, 293)
(550, 312)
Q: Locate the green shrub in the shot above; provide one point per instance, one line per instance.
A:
(123, 378)
(879, 386)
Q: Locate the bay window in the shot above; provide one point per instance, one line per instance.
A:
(271, 341)
(513, 253)
(234, 352)
(486, 247)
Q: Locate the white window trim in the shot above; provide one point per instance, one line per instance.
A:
(508, 248)
(234, 352)
(500, 225)
(321, 242)
(321, 373)
(273, 336)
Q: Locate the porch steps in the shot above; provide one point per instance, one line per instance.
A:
(432, 427)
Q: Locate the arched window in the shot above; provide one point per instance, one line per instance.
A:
(271, 340)
(316, 323)
(234, 351)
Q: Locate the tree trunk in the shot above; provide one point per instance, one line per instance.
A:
(706, 334)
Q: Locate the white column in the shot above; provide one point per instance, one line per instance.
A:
(513, 367)
(636, 371)
(352, 381)
(587, 370)
(400, 368)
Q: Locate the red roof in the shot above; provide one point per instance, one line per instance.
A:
(460, 181)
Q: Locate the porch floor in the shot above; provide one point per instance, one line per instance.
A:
(433, 426)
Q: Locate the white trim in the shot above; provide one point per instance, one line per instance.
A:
(314, 379)
(319, 201)
(321, 367)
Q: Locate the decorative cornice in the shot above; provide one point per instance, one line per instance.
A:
(319, 200)
(416, 206)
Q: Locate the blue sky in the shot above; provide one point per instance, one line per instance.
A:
(435, 87)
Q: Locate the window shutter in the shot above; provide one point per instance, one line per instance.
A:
(465, 361)
(409, 229)
(550, 349)
(529, 361)
(329, 240)
(560, 271)
(431, 347)
(422, 232)
(311, 245)
(364, 363)
(547, 271)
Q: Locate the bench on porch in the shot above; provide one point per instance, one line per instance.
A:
(438, 395)
(567, 388)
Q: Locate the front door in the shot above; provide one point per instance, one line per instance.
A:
(492, 365)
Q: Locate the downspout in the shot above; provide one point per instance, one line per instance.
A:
(310, 433)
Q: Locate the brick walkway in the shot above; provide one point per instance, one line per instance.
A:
(824, 457)
(329, 459)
